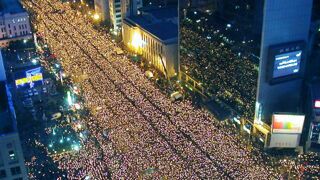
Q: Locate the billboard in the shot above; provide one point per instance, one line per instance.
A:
(284, 140)
(29, 78)
(287, 124)
(286, 62)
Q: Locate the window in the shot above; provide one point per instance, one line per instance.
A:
(14, 28)
(10, 32)
(15, 170)
(8, 25)
(20, 178)
(1, 160)
(3, 174)
(12, 156)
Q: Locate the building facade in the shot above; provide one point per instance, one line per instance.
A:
(14, 22)
(283, 58)
(143, 35)
(11, 155)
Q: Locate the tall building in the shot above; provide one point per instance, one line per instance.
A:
(119, 9)
(283, 59)
(144, 35)
(14, 22)
(102, 9)
(11, 155)
(114, 11)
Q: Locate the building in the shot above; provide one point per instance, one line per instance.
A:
(120, 9)
(113, 11)
(102, 9)
(312, 126)
(283, 59)
(153, 34)
(14, 22)
(11, 156)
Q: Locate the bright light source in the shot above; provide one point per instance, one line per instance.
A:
(96, 16)
(246, 129)
(77, 106)
(25, 41)
(76, 147)
(50, 145)
(317, 104)
(136, 40)
(229, 25)
(79, 126)
(69, 98)
(34, 61)
(236, 120)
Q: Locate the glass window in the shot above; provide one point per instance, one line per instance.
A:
(15, 170)
(3, 174)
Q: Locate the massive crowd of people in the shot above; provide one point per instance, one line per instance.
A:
(229, 77)
(135, 130)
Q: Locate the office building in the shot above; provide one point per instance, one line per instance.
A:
(102, 9)
(14, 22)
(11, 155)
(283, 58)
(144, 35)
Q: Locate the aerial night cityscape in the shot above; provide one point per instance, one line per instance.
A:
(159, 89)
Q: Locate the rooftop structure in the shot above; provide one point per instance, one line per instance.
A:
(11, 6)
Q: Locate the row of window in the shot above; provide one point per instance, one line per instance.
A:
(16, 34)
(21, 26)
(14, 171)
(152, 51)
(20, 19)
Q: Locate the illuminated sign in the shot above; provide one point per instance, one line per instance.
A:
(317, 104)
(287, 64)
(287, 124)
(31, 78)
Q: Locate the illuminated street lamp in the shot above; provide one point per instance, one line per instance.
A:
(96, 17)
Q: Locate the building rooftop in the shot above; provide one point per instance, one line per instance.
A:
(163, 13)
(10, 6)
(6, 120)
(162, 27)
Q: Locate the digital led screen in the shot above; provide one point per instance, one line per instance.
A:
(287, 64)
(29, 79)
(288, 124)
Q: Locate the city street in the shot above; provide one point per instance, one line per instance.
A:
(135, 130)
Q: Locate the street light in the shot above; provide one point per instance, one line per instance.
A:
(96, 17)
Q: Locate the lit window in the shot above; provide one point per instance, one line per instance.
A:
(317, 104)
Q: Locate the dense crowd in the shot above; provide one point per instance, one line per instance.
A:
(135, 130)
(229, 76)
